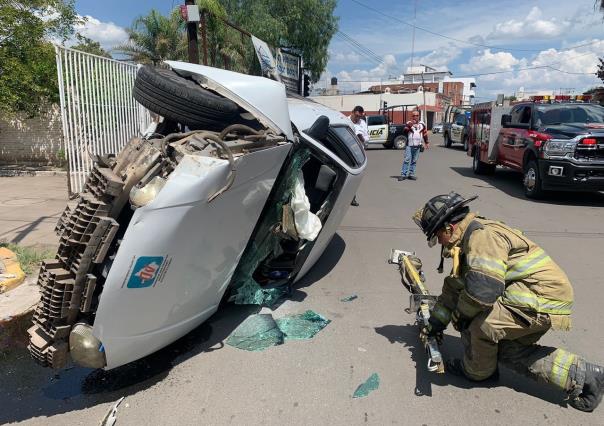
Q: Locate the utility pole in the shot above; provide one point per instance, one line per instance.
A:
(424, 93)
(192, 37)
(413, 37)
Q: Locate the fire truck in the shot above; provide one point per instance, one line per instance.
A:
(557, 143)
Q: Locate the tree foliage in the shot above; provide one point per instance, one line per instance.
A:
(28, 76)
(304, 26)
(600, 71)
(88, 45)
(155, 38)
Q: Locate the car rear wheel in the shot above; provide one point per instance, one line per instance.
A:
(532, 180)
(479, 167)
(448, 141)
(465, 144)
(166, 93)
(400, 142)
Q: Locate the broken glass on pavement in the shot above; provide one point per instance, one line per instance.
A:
(302, 326)
(261, 331)
(256, 333)
(371, 384)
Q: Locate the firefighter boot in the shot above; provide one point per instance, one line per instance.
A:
(455, 367)
(591, 393)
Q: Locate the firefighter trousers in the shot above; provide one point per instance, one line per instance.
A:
(509, 336)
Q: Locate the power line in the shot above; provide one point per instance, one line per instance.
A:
(460, 40)
(365, 51)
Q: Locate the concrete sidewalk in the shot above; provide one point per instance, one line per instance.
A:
(30, 208)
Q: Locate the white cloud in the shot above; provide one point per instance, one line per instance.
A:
(488, 61)
(533, 26)
(577, 65)
(383, 70)
(439, 58)
(107, 34)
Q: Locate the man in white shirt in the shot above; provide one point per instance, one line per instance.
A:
(417, 137)
(357, 117)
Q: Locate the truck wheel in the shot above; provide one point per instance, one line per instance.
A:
(532, 180)
(400, 142)
(180, 99)
(448, 141)
(480, 168)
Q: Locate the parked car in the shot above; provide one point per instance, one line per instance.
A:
(456, 126)
(232, 196)
(556, 146)
(388, 128)
(437, 128)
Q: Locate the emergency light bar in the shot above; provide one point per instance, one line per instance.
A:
(560, 98)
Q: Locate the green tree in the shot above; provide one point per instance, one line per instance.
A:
(28, 76)
(304, 26)
(88, 45)
(155, 38)
(600, 71)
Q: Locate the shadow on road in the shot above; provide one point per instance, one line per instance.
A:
(510, 182)
(408, 335)
(33, 391)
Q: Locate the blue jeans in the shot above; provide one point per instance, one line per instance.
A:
(411, 154)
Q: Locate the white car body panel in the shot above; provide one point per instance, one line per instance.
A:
(264, 98)
(134, 322)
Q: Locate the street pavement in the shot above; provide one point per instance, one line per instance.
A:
(29, 209)
(199, 380)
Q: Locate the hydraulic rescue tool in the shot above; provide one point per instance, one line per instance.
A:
(420, 301)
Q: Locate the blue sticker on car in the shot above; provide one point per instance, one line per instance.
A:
(145, 272)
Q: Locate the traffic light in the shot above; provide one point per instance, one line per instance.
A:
(385, 105)
(306, 85)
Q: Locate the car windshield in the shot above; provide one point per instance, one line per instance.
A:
(572, 113)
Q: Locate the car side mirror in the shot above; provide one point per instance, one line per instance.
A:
(506, 119)
(319, 128)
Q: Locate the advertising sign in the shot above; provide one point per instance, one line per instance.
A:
(288, 67)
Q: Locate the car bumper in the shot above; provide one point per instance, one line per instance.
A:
(568, 176)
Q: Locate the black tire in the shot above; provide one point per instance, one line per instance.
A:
(479, 167)
(532, 180)
(166, 93)
(448, 141)
(465, 144)
(399, 142)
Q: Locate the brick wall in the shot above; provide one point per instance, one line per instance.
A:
(32, 141)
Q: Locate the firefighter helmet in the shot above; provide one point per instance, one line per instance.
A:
(439, 211)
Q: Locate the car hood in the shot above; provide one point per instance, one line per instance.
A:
(264, 98)
(570, 130)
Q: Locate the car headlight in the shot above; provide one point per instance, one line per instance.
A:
(554, 148)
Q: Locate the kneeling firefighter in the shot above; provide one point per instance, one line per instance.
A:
(503, 294)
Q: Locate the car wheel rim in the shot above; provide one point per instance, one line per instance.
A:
(530, 178)
(475, 162)
(400, 144)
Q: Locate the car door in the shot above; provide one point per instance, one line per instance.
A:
(512, 139)
(378, 129)
(179, 252)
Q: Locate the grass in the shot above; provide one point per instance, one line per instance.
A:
(29, 257)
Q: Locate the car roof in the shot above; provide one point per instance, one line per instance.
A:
(304, 112)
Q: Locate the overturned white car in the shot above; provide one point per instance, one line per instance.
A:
(233, 195)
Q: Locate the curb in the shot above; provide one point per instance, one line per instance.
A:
(11, 274)
(20, 173)
(16, 311)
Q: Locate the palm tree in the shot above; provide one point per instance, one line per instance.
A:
(155, 38)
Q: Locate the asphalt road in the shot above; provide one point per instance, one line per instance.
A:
(199, 380)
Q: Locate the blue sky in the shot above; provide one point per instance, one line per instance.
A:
(521, 34)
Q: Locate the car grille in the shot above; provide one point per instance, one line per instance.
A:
(591, 152)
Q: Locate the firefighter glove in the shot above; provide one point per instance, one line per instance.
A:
(459, 321)
(434, 329)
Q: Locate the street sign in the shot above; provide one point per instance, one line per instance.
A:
(288, 67)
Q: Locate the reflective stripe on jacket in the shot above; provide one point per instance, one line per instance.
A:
(499, 262)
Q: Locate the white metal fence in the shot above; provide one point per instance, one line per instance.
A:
(98, 111)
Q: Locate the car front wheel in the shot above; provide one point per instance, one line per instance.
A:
(532, 180)
(448, 141)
